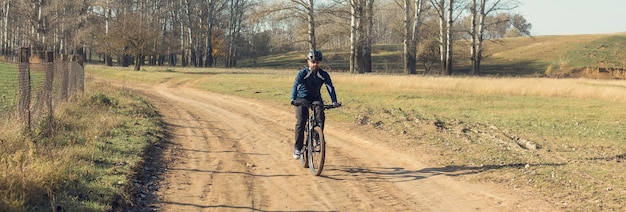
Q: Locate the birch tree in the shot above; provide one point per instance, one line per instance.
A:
(190, 30)
(211, 7)
(308, 7)
(411, 37)
(479, 10)
(440, 6)
(6, 11)
(445, 11)
(237, 12)
(360, 39)
(450, 42)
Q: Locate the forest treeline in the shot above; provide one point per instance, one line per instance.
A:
(204, 33)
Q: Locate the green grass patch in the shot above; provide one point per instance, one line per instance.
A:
(603, 52)
(8, 88)
(82, 158)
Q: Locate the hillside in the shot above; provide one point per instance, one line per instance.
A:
(558, 56)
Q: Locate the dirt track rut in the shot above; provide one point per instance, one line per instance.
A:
(234, 154)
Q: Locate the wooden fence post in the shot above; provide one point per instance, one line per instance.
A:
(23, 105)
(49, 66)
(65, 76)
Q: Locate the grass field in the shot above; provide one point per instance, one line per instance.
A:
(577, 125)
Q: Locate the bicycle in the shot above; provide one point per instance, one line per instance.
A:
(314, 146)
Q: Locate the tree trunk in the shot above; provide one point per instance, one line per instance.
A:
(209, 46)
(416, 25)
(353, 35)
(409, 53)
(183, 56)
(161, 57)
(449, 39)
(311, 8)
(5, 33)
(443, 43)
(474, 35)
(356, 47)
(138, 62)
(232, 25)
(190, 33)
(199, 48)
(367, 54)
(480, 37)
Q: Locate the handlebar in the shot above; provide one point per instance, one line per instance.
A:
(309, 105)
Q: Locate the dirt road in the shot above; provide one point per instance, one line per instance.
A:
(234, 154)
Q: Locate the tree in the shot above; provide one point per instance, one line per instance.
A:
(444, 23)
(411, 36)
(6, 10)
(137, 42)
(308, 8)
(360, 37)
(479, 12)
(237, 10)
(429, 54)
(520, 24)
(211, 7)
(449, 41)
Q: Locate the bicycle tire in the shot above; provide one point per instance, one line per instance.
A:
(317, 151)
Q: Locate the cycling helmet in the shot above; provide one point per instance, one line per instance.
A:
(314, 55)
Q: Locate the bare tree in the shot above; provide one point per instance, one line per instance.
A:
(411, 36)
(199, 32)
(237, 12)
(6, 11)
(211, 7)
(439, 6)
(309, 9)
(478, 13)
(445, 10)
(360, 42)
(521, 25)
(188, 9)
(429, 54)
(450, 42)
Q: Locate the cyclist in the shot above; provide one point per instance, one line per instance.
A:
(306, 90)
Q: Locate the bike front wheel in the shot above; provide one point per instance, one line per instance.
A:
(317, 151)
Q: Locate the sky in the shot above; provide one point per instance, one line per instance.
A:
(569, 17)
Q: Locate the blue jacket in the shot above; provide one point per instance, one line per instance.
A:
(308, 85)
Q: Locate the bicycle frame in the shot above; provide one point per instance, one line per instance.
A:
(314, 146)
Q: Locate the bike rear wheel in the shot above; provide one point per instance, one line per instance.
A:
(317, 151)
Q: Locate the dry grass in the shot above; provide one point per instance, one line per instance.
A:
(79, 160)
(538, 87)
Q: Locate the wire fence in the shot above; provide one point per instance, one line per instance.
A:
(34, 87)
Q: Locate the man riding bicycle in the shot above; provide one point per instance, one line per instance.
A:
(306, 90)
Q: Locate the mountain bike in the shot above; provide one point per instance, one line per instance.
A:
(313, 151)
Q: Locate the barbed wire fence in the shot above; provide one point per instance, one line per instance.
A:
(43, 83)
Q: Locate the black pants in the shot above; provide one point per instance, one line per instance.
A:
(302, 116)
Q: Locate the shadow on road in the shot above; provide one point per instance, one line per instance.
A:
(399, 174)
